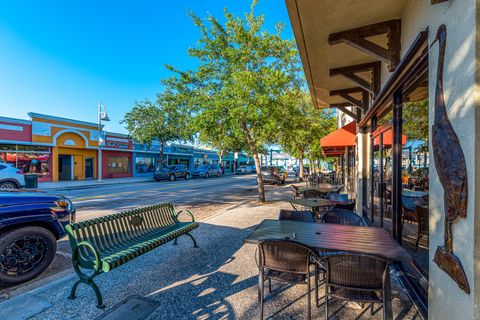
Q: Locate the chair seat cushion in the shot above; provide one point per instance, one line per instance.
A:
(116, 256)
(356, 295)
(285, 276)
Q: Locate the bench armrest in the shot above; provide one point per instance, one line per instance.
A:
(97, 265)
(187, 212)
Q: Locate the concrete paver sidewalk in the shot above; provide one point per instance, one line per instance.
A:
(216, 280)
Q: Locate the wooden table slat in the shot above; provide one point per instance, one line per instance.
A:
(332, 237)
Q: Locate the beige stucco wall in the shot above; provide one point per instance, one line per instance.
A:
(446, 300)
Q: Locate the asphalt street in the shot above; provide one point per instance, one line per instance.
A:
(101, 200)
(202, 196)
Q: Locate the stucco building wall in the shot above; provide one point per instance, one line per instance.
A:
(446, 300)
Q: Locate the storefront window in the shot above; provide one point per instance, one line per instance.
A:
(118, 165)
(143, 165)
(178, 161)
(29, 159)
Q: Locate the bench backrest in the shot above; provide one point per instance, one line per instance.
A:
(116, 229)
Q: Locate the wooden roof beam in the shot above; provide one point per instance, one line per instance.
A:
(356, 38)
(349, 72)
(346, 94)
(347, 112)
(438, 1)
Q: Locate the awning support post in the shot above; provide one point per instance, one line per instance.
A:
(397, 166)
(382, 190)
(372, 171)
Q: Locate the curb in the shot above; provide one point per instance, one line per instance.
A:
(90, 186)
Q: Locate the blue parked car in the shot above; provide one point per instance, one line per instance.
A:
(30, 225)
(207, 170)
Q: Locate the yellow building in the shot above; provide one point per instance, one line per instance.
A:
(73, 143)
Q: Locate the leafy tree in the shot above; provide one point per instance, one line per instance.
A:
(304, 126)
(243, 78)
(148, 122)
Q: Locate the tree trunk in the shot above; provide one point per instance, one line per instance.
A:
(253, 148)
(261, 190)
(161, 155)
(301, 165)
(387, 164)
(220, 158)
(312, 166)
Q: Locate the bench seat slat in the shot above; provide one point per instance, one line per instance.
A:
(123, 236)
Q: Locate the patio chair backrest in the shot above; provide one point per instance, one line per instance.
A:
(422, 218)
(356, 271)
(408, 203)
(305, 216)
(343, 216)
(308, 194)
(295, 191)
(343, 197)
(350, 206)
(285, 256)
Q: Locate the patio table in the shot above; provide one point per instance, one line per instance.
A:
(325, 188)
(333, 237)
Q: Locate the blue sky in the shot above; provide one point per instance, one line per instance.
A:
(62, 57)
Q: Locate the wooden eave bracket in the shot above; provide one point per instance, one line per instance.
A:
(349, 72)
(343, 107)
(346, 94)
(357, 39)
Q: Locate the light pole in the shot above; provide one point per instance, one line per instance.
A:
(102, 115)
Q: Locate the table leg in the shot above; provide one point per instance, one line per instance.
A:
(294, 208)
(388, 312)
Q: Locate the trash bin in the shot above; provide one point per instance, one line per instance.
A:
(31, 180)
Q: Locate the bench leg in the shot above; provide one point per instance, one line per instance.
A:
(74, 290)
(191, 237)
(95, 288)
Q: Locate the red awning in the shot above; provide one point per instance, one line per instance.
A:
(388, 138)
(343, 137)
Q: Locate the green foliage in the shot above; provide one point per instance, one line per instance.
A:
(148, 121)
(304, 126)
(239, 94)
(415, 121)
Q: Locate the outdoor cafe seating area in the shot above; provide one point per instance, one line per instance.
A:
(323, 238)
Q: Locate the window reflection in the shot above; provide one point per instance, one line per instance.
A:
(29, 159)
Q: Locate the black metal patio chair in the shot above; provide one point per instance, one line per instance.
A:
(287, 261)
(357, 277)
(342, 216)
(308, 194)
(292, 215)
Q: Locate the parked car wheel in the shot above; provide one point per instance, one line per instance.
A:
(25, 253)
(187, 176)
(8, 185)
(158, 180)
(172, 177)
(207, 175)
(218, 174)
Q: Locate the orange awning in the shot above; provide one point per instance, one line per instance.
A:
(334, 144)
(388, 138)
(343, 137)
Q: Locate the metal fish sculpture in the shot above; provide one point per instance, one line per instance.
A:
(452, 172)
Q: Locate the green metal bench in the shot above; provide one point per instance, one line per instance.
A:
(104, 243)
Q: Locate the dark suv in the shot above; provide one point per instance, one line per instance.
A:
(30, 225)
(172, 172)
